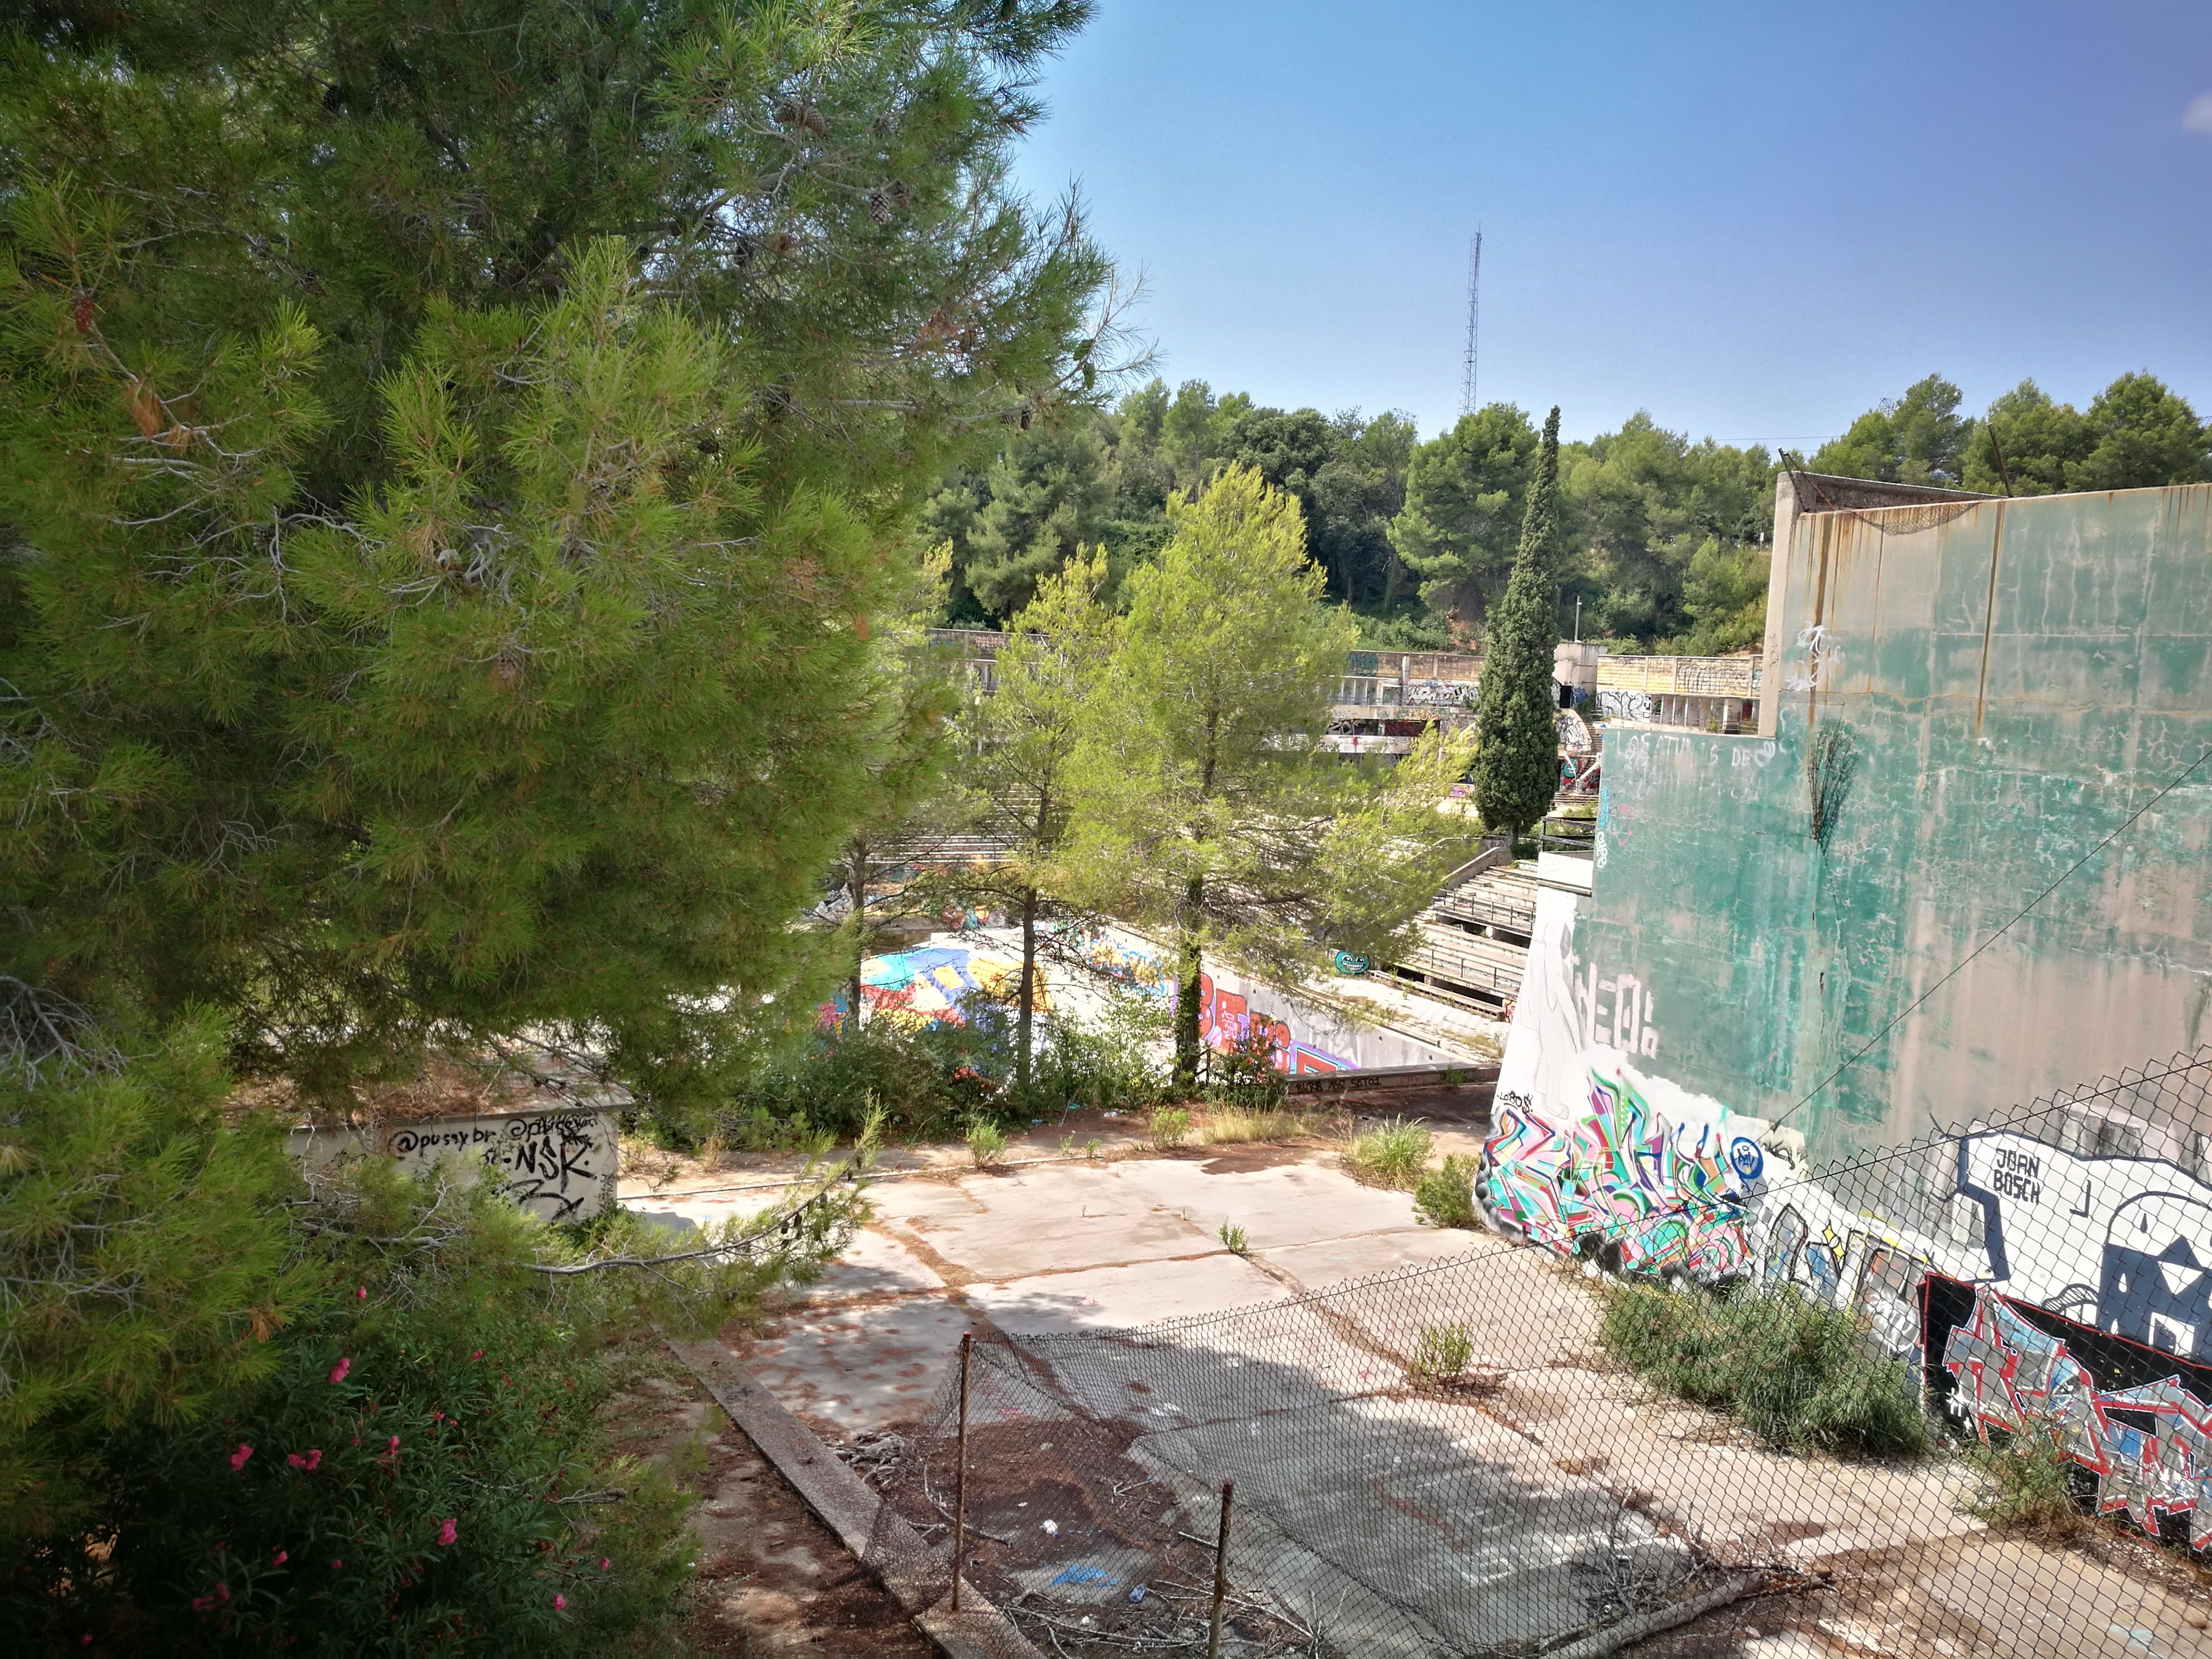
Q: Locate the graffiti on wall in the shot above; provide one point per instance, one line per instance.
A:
(1227, 1018)
(2123, 1243)
(2149, 1446)
(1615, 1012)
(560, 1165)
(1625, 705)
(1453, 694)
(1650, 1186)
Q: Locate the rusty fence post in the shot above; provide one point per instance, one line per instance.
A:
(1220, 1571)
(960, 1473)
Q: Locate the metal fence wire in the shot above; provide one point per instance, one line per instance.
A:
(1935, 1399)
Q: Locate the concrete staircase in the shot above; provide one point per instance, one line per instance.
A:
(1472, 944)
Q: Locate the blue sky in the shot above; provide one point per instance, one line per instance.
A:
(1754, 222)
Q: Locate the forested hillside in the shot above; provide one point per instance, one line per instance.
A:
(1666, 537)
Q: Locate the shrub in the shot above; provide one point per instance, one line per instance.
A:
(1245, 1073)
(1391, 1154)
(1233, 1239)
(986, 1142)
(1441, 1354)
(1169, 1124)
(930, 1082)
(423, 1459)
(1445, 1196)
(1800, 1376)
(2027, 1489)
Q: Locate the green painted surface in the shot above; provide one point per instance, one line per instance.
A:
(2011, 684)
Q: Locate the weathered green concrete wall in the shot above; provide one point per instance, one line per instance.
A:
(2009, 683)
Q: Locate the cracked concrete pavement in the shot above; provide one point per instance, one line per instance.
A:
(1082, 1244)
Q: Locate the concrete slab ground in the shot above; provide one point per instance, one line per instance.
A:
(1571, 1460)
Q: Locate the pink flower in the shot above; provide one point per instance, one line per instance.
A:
(361, 1293)
(603, 1562)
(559, 1602)
(478, 1354)
(338, 1371)
(391, 1447)
(335, 1565)
(314, 1456)
(238, 1458)
(222, 1591)
(202, 1603)
(281, 1558)
(446, 1530)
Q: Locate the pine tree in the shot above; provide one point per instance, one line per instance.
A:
(1205, 806)
(1015, 785)
(419, 613)
(1516, 761)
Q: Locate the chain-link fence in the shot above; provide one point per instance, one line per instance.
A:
(1934, 1399)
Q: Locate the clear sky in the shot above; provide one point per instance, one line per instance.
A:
(1753, 221)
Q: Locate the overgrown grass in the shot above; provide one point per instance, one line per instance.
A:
(1234, 1126)
(2026, 1489)
(1170, 1125)
(1390, 1154)
(1800, 1376)
(1445, 1196)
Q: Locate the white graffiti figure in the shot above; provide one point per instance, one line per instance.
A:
(1625, 705)
(1823, 657)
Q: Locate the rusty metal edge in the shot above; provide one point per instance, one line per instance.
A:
(878, 1538)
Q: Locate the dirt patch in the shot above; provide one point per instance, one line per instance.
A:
(1073, 1538)
(1244, 1158)
(771, 1578)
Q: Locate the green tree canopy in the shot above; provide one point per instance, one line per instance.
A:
(416, 612)
(1465, 494)
(2135, 433)
(1638, 506)
(1919, 438)
(1205, 806)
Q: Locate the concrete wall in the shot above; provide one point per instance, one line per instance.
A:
(1995, 687)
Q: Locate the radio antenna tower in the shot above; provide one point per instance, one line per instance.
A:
(1467, 404)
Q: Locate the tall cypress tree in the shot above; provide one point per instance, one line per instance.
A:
(1516, 765)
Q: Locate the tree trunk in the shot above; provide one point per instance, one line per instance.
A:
(1186, 975)
(856, 889)
(1026, 1007)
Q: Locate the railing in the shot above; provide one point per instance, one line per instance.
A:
(1575, 837)
(1486, 911)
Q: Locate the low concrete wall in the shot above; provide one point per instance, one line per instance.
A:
(1482, 1080)
(560, 1165)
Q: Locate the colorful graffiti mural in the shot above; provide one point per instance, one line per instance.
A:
(1232, 1008)
(928, 987)
(1650, 1179)
(2149, 1446)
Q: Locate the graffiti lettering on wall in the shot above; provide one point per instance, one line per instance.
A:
(1823, 658)
(1450, 693)
(1225, 1018)
(1647, 1178)
(1625, 705)
(2123, 1243)
(1615, 1013)
(2149, 1445)
(559, 1166)
(1847, 1262)
(1649, 1188)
